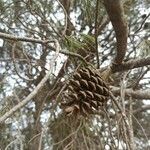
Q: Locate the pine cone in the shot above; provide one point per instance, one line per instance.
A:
(86, 92)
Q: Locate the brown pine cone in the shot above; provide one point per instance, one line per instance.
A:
(86, 93)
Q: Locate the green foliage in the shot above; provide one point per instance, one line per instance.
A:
(73, 44)
(87, 38)
(83, 41)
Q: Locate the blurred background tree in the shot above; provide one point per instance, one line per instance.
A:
(30, 33)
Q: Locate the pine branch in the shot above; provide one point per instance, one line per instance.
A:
(138, 94)
(115, 11)
(131, 64)
(24, 39)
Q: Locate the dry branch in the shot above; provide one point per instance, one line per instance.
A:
(130, 64)
(25, 39)
(138, 94)
(115, 11)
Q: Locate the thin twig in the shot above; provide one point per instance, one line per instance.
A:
(35, 136)
(142, 24)
(96, 33)
(40, 142)
(131, 134)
